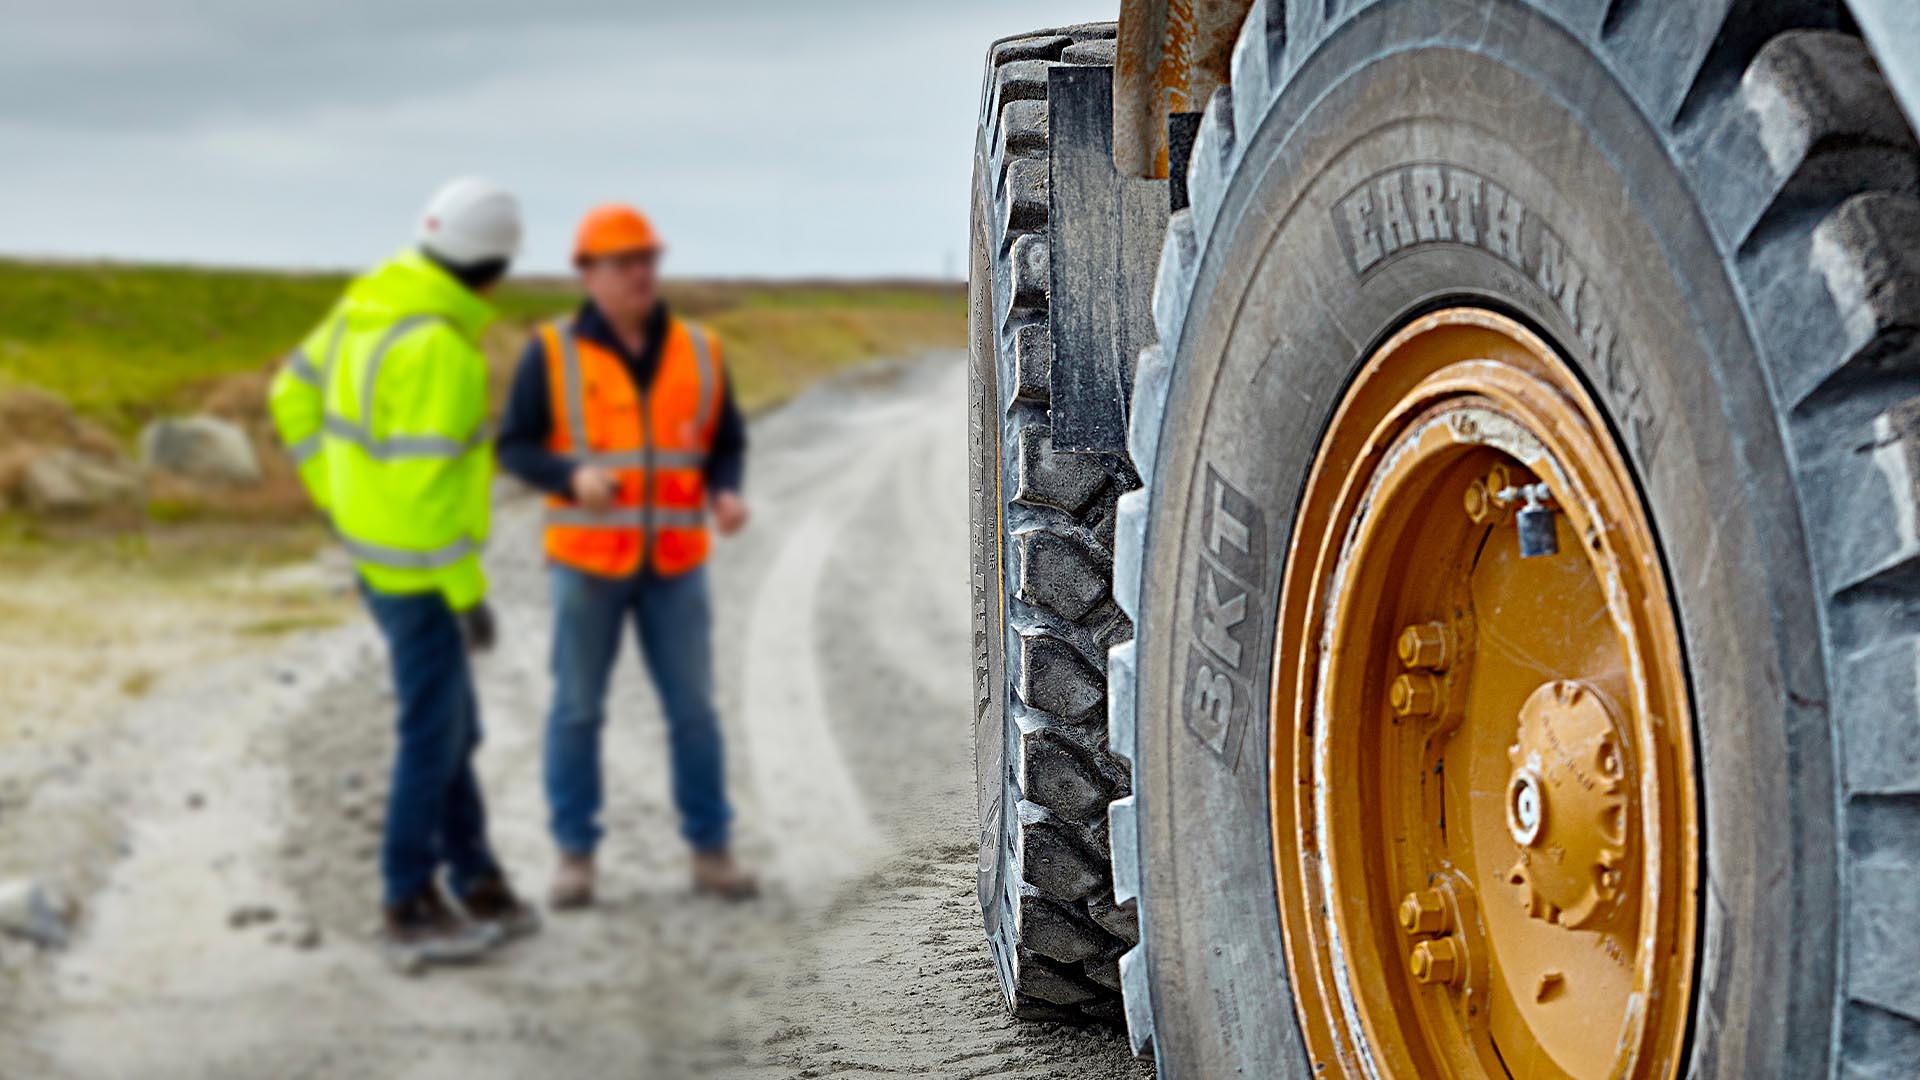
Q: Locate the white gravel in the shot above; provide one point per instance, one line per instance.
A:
(255, 784)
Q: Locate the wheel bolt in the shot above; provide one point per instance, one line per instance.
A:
(1424, 645)
(1414, 695)
(1424, 912)
(1480, 503)
(1436, 962)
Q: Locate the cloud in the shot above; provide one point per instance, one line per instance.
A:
(765, 138)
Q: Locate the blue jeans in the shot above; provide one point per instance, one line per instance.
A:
(435, 815)
(674, 622)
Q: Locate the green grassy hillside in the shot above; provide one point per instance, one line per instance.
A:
(123, 343)
(90, 352)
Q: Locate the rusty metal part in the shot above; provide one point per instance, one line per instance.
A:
(1485, 816)
(1170, 56)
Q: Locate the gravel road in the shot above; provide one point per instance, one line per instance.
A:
(228, 925)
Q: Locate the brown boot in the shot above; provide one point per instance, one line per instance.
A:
(715, 873)
(572, 882)
(493, 901)
(423, 932)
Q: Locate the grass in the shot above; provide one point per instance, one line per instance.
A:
(124, 343)
(121, 344)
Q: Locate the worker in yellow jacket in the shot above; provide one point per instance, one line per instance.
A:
(384, 408)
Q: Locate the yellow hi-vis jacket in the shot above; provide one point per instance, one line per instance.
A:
(384, 409)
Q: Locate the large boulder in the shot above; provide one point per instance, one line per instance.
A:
(202, 448)
(62, 481)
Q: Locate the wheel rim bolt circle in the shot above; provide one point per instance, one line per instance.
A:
(1424, 646)
(1415, 694)
(1482, 502)
(1435, 962)
(1425, 912)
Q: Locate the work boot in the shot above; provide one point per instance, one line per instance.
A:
(572, 882)
(493, 901)
(424, 932)
(715, 873)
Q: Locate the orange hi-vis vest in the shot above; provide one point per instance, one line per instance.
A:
(654, 438)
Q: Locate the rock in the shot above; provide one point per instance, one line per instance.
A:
(249, 915)
(35, 912)
(201, 448)
(68, 482)
(307, 938)
(195, 801)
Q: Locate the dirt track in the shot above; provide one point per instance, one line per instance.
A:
(257, 781)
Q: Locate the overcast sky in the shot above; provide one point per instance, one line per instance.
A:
(765, 137)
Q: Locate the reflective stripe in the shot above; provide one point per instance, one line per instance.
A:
(305, 450)
(371, 378)
(394, 558)
(333, 354)
(579, 517)
(624, 517)
(703, 360)
(394, 447)
(303, 369)
(572, 393)
(639, 459)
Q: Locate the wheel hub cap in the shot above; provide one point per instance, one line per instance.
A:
(1573, 862)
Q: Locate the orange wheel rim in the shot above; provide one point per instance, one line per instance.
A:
(1484, 807)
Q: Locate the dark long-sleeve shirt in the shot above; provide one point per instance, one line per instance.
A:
(527, 427)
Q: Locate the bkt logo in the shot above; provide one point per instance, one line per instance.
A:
(1232, 554)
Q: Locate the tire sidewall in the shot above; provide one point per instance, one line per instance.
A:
(1284, 309)
(988, 557)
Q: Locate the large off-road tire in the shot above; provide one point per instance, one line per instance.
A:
(1735, 188)
(1044, 615)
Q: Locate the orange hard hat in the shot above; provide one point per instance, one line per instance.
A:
(612, 228)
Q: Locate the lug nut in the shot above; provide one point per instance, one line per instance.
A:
(1424, 645)
(1479, 503)
(1424, 912)
(1482, 501)
(1414, 695)
(1436, 962)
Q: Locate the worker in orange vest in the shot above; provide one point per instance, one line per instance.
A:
(624, 415)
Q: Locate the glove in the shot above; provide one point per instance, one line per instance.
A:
(478, 627)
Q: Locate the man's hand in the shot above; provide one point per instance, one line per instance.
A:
(478, 627)
(594, 488)
(729, 512)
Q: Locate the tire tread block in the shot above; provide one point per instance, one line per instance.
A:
(1055, 679)
(1062, 574)
(1059, 776)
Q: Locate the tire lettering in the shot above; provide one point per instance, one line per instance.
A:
(1432, 203)
(1212, 700)
(1366, 250)
(1230, 565)
(1430, 221)
(1218, 618)
(1396, 231)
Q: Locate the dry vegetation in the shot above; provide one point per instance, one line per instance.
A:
(90, 352)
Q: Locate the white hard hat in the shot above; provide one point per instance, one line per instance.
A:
(471, 221)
